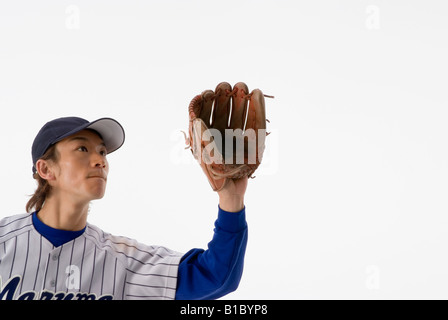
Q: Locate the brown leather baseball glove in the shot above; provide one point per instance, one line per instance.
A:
(227, 137)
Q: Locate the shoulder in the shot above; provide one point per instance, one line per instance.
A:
(13, 225)
(130, 251)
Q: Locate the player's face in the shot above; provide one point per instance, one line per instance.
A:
(82, 167)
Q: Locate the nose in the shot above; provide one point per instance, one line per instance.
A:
(99, 161)
(101, 165)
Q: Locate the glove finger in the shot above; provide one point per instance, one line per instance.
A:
(239, 106)
(201, 106)
(255, 129)
(206, 107)
(256, 118)
(221, 111)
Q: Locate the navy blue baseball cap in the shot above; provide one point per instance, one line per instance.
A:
(56, 130)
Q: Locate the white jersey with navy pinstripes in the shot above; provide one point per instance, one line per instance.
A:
(96, 265)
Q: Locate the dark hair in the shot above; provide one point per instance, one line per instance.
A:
(43, 187)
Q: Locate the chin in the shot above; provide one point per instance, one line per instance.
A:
(100, 195)
(97, 192)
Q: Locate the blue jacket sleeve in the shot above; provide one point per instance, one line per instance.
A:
(217, 271)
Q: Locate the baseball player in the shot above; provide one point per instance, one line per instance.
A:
(53, 253)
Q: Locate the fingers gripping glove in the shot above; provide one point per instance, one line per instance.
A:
(227, 132)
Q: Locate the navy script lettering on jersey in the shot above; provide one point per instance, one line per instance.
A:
(8, 291)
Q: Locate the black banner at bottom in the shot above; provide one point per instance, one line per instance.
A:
(218, 309)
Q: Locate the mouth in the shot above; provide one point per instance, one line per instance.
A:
(97, 176)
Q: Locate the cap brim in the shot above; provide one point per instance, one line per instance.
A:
(111, 131)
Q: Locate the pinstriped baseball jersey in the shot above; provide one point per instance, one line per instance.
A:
(96, 265)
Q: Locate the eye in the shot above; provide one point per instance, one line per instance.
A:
(83, 149)
(103, 153)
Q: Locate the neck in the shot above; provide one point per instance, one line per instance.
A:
(64, 215)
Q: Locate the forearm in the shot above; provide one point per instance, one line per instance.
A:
(217, 271)
(231, 203)
(231, 197)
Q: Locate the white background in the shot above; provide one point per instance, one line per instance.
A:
(351, 200)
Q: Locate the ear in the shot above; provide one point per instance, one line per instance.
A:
(44, 170)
